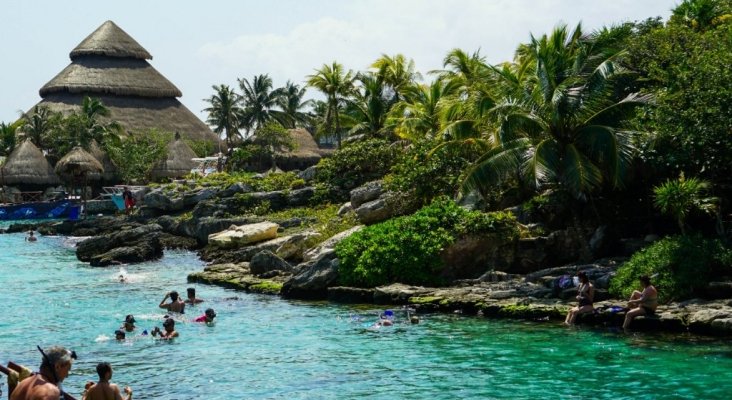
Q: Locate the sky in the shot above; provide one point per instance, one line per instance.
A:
(198, 44)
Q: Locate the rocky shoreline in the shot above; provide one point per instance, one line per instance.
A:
(255, 255)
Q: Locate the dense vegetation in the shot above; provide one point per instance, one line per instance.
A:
(407, 249)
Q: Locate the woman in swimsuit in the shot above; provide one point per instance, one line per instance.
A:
(585, 297)
(642, 303)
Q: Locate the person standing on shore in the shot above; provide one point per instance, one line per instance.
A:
(104, 390)
(129, 200)
(175, 305)
(642, 303)
(45, 385)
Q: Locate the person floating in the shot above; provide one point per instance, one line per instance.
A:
(585, 297)
(103, 389)
(168, 331)
(175, 305)
(192, 299)
(31, 237)
(207, 317)
(129, 200)
(129, 323)
(55, 367)
(642, 303)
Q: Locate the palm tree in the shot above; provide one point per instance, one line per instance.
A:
(562, 125)
(291, 103)
(39, 125)
(419, 117)
(7, 138)
(93, 128)
(398, 74)
(225, 113)
(259, 102)
(369, 105)
(336, 84)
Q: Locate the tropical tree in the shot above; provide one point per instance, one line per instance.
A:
(259, 102)
(39, 125)
(682, 196)
(291, 103)
(225, 114)
(369, 105)
(136, 156)
(398, 74)
(336, 84)
(562, 125)
(7, 138)
(419, 116)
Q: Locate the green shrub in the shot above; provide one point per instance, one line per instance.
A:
(429, 176)
(679, 266)
(357, 163)
(407, 249)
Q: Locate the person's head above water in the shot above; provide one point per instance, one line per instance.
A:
(191, 292)
(169, 324)
(103, 368)
(119, 334)
(174, 295)
(210, 314)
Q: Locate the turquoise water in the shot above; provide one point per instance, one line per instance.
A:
(263, 347)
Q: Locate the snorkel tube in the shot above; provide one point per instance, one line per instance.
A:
(47, 361)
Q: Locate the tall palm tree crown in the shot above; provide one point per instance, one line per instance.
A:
(225, 113)
(336, 84)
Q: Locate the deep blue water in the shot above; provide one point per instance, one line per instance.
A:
(263, 347)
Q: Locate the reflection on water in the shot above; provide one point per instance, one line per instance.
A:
(265, 347)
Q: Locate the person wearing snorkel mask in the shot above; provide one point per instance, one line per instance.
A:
(45, 385)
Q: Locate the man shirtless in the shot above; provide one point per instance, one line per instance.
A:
(175, 305)
(103, 390)
(44, 385)
(642, 303)
(168, 331)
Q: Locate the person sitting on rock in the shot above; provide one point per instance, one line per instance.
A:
(642, 303)
(175, 305)
(585, 297)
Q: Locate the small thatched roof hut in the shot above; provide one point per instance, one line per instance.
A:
(79, 163)
(179, 162)
(27, 165)
(110, 65)
(305, 154)
(110, 170)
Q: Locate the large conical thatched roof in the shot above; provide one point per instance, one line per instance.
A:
(110, 40)
(111, 66)
(78, 162)
(179, 162)
(305, 154)
(26, 165)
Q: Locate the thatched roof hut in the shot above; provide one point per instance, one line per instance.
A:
(110, 65)
(27, 165)
(79, 163)
(110, 170)
(179, 162)
(305, 154)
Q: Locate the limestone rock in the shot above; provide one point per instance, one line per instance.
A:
(266, 261)
(309, 173)
(294, 247)
(237, 236)
(345, 209)
(126, 246)
(314, 278)
(300, 197)
(368, 192)
(329, 244)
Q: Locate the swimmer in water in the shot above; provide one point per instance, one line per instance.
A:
(175, 305)
(192, 299)
(122, 278)
(207, 317)
(169, 330)
(119, 335)
(31, 237)
(129, 323)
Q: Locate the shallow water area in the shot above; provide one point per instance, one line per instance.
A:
(263, 347)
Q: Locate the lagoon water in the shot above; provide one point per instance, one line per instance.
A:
(263, 347)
